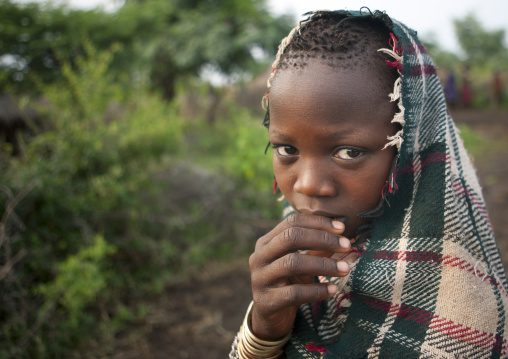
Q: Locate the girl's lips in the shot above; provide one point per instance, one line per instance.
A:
(330, 215)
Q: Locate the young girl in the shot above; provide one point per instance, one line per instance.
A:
(386, 249)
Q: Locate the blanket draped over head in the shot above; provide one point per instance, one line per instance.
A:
(429, 281)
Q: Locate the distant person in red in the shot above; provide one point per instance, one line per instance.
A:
(466, 93)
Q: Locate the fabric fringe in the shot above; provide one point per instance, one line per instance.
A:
(396, 140)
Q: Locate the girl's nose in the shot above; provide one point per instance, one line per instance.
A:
(315, 181)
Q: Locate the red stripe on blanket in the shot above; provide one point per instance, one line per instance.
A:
(315, 307)
(467, 334)
(463, 264)
(418, 70)
(410, 256)
(420, 165)
(339, 302)
(448, 327)
(314, 348)
(474, 198)
(434, 257)
(410, 49)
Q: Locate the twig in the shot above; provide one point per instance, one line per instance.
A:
(10, 263)
(46, 309)
(9, 208)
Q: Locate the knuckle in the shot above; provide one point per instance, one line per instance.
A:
(292, 236)
(324, 222)
(327, 265)
(293, 218)
(324, 263)
(258, 296)
(252, 261)
(291, 261)
(258, 283)
(289, 295)
(261, 242)
(320, 291)
(330, 238)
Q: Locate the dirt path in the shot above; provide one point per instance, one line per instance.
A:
(195, 319)
(493, 170)
(199, 318)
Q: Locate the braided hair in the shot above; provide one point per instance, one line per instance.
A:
(339, 40)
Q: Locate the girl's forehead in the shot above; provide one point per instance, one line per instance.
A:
(323, 87)
(332, 106)
(324, 102)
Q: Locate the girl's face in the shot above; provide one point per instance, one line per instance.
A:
(328, 127)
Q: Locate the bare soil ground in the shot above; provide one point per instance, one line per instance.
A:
(198, 318)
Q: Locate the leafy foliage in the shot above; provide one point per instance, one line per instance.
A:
(37, 38)
(481, 47)
(443, 58)
(109, 208)
(170, 40)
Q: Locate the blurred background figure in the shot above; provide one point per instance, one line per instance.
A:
(466, 90)
(497, 89)
(450, 89)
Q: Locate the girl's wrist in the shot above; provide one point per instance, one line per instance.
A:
(265, 330)
(250, 346)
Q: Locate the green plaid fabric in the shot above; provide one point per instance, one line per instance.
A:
(429, 282)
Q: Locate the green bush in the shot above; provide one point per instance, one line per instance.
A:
(121, 194)
(85, 176)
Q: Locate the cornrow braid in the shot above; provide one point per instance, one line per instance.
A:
(338, 39)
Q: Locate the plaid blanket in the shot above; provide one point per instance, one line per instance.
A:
(429, 282)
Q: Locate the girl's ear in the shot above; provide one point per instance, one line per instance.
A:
(275, 187)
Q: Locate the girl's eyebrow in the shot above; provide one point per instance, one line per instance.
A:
(335, 135)
(338, 134)
(278, 134)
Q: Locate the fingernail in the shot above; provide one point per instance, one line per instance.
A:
(342, 267)
(337, 225)
(344, 242)
(332, 288)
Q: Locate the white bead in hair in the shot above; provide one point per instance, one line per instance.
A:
(396, 140)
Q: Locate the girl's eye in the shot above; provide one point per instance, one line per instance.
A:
(349, 153)
(286, 150)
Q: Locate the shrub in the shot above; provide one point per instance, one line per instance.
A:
(121, 195)
(82, 209)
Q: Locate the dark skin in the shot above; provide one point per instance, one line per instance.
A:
(327, 127)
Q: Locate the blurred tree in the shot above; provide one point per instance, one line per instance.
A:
(443, 59)
(223, 35)
(481, 47)
(36, 38)
(169, 39)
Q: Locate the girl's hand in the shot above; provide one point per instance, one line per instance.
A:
(283, 278)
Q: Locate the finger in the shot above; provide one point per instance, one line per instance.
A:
(296, 264)
(311, 221)
(296, 268)
(350, 256)
(297, 239)
(298, 294)
(304, 221)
